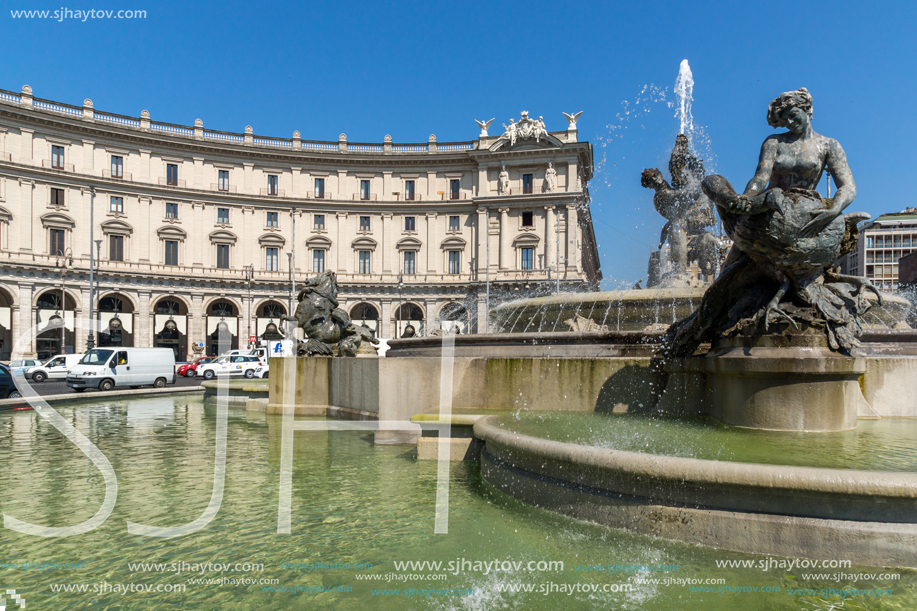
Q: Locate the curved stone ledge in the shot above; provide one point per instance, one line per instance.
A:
(863, 543)
(791, 492)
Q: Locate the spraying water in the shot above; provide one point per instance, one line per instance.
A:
(684, 90)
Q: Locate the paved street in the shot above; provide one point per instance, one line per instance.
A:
(56, 387)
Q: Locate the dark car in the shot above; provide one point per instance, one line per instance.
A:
(189, 370)
(8, 389)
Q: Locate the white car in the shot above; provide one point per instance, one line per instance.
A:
(262, 371)
(54, 369)
(237, 365)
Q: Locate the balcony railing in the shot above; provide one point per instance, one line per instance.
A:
(165, 181)
(274, 193)
(121, 176)
(366, 198)
(63, 167)
(88, 113)
(226, 188)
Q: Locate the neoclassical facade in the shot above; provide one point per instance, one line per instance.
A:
(198, 234)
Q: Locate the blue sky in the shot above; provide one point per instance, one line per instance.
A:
(410, 69)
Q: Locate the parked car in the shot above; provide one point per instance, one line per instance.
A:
(8, 389)
(262, 371)
(188, 369)
(26, 363)
(237, 365)
(54, 369)
(106, 368)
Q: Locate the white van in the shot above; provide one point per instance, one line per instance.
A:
(54, 369)
(106, 368)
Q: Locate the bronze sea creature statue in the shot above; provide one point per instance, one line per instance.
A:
(328, 329)
(787, 240)
(688, 212)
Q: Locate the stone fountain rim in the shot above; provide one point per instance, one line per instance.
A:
(847, 482)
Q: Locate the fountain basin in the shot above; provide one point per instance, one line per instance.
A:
(637, 310)
(866, 516)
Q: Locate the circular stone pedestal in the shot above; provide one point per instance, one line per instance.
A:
(784, 383)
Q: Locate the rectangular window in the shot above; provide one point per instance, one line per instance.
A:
(223, 216)
(57, 197)
(319, 188)
(223, 183)
(364, 189)
(116, 248)
(453, 223)
(364, 223)
(455, 262)
(527, 183)
(318, 261)
(271, 259)
(171, 252)
(117, 204)
(365, 261)
(272, 185)
(409, 223)
(528, 219)
(319, 221)
(57, 242)
(223, 256)
(409, 190)
(528, 258)
(454, 189)
(272, 220)
(409, 262)
(171, 211)
(117, 167)
(57, 157)
(172, 174)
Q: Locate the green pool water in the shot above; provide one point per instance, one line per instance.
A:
(876, 445)
(354, 505)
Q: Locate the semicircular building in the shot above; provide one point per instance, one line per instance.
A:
(199, 234)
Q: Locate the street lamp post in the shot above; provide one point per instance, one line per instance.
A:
(400, 304)
(64, 263)
(90, 340)
(249, 275)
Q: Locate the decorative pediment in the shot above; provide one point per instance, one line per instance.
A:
(57, 220)
(223, 236)
(526, 239)
(5, 215)
(318, 242)
(170, 232)
(453, 243)
(364, 243)
(116, 227)
(408, 243)
(271, 239)
(529, 132)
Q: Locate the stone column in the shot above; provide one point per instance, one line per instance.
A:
(198, 255)
(26, 188)
(16, 326)
(483, 234)
(25, 146)
(26, 321)
(572, 242)
(247, 186)
(550, 237)
(386, 328)
(81, 242)
(143, 331)
(431, 185)
(145, 236)
(387, 242)
(295, 188)
(79, 332)
(506, 262)
(198, 180)
(431, 247)
(341, 249)
(144, 173)
(197, 331)
(572, 176)
(483, 184)
(89, 149)
(386, 186)
(482, 313)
